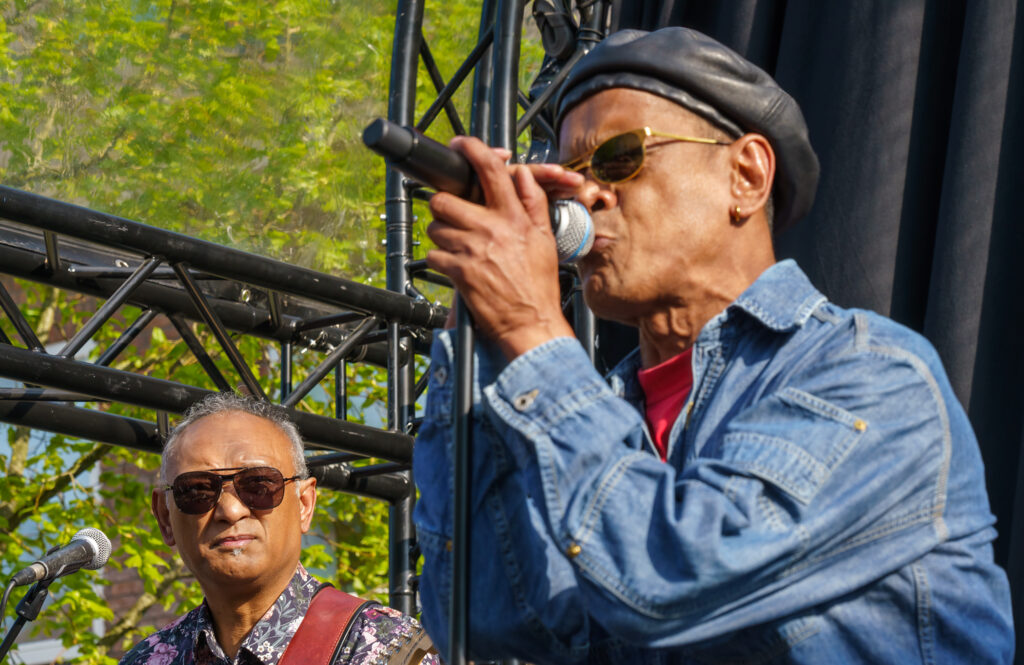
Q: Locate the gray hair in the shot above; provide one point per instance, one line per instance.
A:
(217, 403)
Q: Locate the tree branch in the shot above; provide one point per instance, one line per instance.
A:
(55, 485)
(19, 451)
(81, 167)
(170, 22)
(132, 616)
(47, 315)
(43, 134)
(24, 12)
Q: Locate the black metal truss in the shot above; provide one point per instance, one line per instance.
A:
(494, 62)
(237, 294)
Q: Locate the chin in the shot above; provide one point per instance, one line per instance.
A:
(611, 306)
(235, 565)
(601, 298)
(234, 578)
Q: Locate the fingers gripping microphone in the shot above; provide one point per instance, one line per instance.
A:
(438, 166)
(88, 548)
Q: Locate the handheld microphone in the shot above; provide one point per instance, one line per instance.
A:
(436, 165)
(88, 548)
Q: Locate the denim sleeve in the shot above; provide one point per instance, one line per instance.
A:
(814, 490)
(524, 595)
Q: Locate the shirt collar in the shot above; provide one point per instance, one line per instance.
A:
(782, 298)
(270, 636)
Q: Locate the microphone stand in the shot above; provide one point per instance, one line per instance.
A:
(458, 628)
(27, 610)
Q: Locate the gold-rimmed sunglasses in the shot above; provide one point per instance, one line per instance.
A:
(621, 157)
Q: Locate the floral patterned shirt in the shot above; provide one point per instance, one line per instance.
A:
(377, 632)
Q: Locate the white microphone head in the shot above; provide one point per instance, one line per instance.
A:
(100, 546)
(574, 230)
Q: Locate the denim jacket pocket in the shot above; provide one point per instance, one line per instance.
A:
(435, 584)
(438, 547)
(793, 440)
(432, 454)
(439, 394)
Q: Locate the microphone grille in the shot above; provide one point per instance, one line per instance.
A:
(101, 549)
(574, 230)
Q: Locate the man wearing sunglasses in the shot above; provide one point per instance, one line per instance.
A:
(768, 478)
(234, 497)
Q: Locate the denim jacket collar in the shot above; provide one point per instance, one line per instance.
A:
(769, 301)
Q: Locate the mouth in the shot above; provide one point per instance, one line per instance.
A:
(602, 245)
(232, 542)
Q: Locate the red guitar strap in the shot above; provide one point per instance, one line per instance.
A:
(324, 628)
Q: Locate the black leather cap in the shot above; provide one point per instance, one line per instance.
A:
(714, 82)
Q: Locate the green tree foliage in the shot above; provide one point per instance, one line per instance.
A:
(237, 121)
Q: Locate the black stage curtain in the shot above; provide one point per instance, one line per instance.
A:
(915, 108)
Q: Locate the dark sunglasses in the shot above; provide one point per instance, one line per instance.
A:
(258, 487)
(621, 157)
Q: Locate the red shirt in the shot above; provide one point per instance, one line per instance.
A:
(666, 387)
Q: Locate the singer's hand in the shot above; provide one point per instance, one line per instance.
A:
(501, 255)
(556, 181)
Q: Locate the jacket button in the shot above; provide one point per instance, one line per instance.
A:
(573, 550)
(440, 375)
(525, 401)
(860, 425)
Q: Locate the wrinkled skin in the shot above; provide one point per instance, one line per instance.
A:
(669, 252)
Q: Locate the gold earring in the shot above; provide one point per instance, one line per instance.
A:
(736, 214)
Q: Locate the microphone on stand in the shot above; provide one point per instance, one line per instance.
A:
(436, 165)
(89, 548)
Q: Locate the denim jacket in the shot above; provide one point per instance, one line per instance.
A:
(823, 500)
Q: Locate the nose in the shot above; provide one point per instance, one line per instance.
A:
(229, 507)
(595, 196)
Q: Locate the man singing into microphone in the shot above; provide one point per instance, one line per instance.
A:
(768, 478)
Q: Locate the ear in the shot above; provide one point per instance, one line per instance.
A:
(158, 504)
(753, 173)
(307, 502)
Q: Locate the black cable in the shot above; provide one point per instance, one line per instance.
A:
(3, 601)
